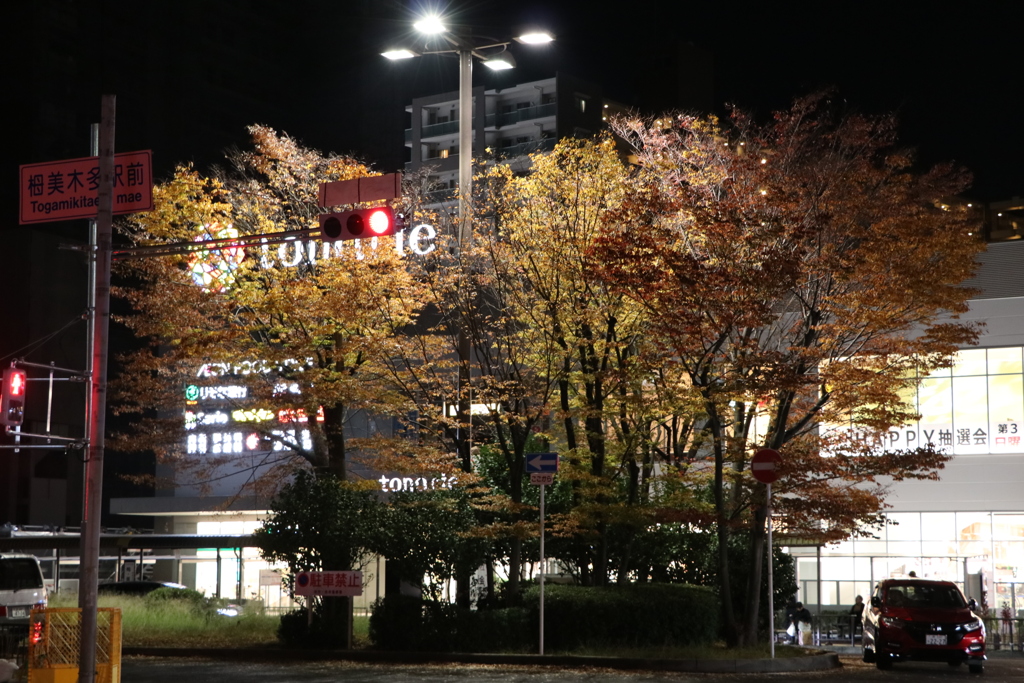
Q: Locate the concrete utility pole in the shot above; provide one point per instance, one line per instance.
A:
(92, 505)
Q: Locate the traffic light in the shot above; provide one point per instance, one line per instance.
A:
(360, 224)
(12, 407)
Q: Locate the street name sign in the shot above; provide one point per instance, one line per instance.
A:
(329, 583)
(541, 462)
(68, 189)
(765, 465)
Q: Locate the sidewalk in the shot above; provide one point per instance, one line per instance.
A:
(816, 662)
(848, 650)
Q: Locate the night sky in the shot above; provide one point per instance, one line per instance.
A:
(190, 75)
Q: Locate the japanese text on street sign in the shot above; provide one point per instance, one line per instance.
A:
(63, 190)
(542, 478)
(542, 462)
(329, 583)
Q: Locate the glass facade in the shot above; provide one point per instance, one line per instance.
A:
(974, 408)
(977, 406)
(942, 545)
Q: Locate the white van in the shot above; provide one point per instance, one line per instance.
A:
(21, 588)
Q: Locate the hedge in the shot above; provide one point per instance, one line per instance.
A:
(636, 615)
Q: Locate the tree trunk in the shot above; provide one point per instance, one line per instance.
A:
(515, 567)
(729, 626)
(463, 579)
(333, 461)
(337, 611)
(489, 562)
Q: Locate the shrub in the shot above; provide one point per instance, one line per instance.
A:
(295, 630)
(639, 615)
(404, 623)
(396, 622)
(635, 615)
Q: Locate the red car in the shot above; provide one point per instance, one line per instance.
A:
(923, 620)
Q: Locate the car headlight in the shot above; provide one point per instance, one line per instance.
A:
(891, 622)
(973, 625)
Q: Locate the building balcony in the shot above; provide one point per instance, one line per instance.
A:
(491, 121)
(510, 152)
(439, 196)
(435, 130)
(520, 115)
(524, 148)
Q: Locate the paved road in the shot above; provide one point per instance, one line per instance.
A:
(1002, 667)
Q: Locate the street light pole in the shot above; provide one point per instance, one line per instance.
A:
(465, 239)
(465, 147)
(461, 43)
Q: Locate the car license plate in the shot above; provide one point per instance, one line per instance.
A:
(935, 640)
(18, 612)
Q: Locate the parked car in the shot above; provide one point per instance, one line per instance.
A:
(924, 620)
(135, 587)
(21, 589)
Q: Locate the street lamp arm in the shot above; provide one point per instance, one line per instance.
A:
(458, 47)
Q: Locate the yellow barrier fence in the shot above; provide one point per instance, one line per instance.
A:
(54, 637)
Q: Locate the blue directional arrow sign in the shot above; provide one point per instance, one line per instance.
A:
(541, 462)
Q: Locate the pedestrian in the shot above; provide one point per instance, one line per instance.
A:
(802, 619)
(791, 624)
(856, 616)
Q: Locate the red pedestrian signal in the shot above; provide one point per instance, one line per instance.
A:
(360, 224)
(12, 405)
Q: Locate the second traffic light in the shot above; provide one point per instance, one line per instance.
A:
(12, 405)
(360, 224)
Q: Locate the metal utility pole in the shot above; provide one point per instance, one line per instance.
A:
(465, 147)
(543, 487)
(92, 505)
(465, 240)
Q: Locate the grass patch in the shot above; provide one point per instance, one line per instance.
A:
(181, 623)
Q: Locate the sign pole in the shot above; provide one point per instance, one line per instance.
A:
(543, 487)
(771, 588)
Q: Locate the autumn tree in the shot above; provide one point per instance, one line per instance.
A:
(503, 296)
(300, 325)
(283, 339)
(587, 341)
(798, 273)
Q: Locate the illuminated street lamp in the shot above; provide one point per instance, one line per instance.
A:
(495, 56)
(491, 56)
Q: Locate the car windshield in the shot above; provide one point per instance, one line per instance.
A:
(17, 573)
(925, 595)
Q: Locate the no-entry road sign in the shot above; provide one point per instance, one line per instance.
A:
(63, 190)
(765, 465)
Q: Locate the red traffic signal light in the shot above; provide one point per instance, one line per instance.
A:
(360, 224)
(12, 405)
